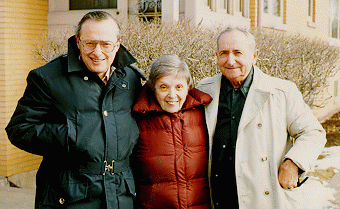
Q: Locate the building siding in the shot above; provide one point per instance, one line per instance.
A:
(21, 23)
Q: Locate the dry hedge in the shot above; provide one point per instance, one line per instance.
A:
(307, 62)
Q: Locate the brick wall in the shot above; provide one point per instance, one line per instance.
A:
(22, 22)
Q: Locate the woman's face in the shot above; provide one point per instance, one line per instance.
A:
(171, 92)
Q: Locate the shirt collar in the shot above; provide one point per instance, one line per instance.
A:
(108, 75)
(244, 87)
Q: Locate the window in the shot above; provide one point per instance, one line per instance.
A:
(311, 13)
(273, 14)
(233, 7)
(93, 4)
(334, 17)
(272, 7)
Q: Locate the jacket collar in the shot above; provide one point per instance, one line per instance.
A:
(148, 103)
(259, 93)
(262, 82)
(122, 59)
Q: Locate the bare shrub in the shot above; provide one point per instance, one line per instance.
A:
(149, 40)
(308, 63)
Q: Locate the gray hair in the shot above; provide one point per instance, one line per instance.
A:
(169, 64)
(252, 41)
(97, 16)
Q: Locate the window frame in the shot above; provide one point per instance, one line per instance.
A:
(271, 20)
(226, 6)
(230, 7)
(311, 13)
(91, 8)
(333, 17)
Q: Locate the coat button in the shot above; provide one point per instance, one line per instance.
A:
(106, 113)
(86, 78)
(62, 201)
(266, 192)
(259, 125)
(124, 85)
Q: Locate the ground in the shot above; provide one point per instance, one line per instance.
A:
(326, 175)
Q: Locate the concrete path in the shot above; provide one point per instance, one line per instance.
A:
(15, 198)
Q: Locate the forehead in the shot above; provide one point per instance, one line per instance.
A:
(233, 40)
(105, 30)
(172, 79)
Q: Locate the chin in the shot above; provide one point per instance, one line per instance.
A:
(98, 70)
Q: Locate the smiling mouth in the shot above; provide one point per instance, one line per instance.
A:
(171, 102)
(97, 60)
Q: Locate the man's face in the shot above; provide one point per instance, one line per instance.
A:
(235, 57)
(104, 31)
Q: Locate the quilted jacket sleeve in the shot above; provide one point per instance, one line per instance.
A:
(31, 127)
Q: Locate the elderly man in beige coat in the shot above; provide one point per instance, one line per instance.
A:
(276, 136)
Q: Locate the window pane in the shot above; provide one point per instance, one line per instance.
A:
(335, 18)
(265, 6)
(276, 8)
(93, 4)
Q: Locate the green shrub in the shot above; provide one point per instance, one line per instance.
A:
(308, 63)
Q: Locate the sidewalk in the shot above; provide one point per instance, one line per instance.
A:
(15, 198)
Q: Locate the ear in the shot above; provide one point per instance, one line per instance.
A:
(256, 55)
(118, 45)
(77, 40)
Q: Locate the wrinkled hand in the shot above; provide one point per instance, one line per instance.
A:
(288, 174)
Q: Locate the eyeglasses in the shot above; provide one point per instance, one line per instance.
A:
(90, 45)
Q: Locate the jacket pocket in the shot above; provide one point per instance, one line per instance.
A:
(130, 185)
(127, 187)
(73, 189)
(67, 191)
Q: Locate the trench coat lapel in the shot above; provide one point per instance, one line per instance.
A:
(258, 95)
(211, 109)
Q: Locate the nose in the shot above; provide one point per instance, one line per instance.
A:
(97, 49)
(230, 60)
(172, 93)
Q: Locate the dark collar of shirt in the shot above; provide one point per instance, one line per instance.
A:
(226, 84)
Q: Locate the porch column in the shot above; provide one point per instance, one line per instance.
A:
(193, 11)
(170, 10)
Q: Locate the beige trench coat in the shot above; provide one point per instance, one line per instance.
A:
(273, 112)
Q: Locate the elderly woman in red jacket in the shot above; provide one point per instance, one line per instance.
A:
(172, 151)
